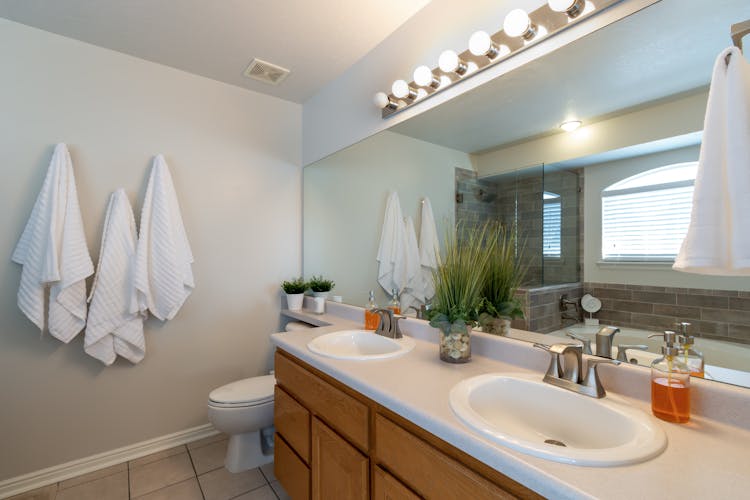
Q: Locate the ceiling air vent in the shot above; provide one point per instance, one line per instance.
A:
(266, 72)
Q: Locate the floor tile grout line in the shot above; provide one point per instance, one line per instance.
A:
(164, 488)
(127, 467)
(251, 490)
(157, 459)
(192, 464)
(278, 497)
(59, 489)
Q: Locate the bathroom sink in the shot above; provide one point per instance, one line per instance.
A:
(523, 413)
(359, 345)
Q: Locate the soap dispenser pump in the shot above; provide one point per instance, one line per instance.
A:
(670, 382)
(394, 304)
(688, 355)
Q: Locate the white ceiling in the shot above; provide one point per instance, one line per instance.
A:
(316, 39)
(663, 50)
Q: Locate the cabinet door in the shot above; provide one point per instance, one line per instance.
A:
(339, 471)
(387, 487)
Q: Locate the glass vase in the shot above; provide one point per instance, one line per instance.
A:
(455, 346)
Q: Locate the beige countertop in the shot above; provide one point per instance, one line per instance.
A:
(706, 458)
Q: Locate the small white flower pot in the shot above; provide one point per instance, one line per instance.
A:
(294, 301)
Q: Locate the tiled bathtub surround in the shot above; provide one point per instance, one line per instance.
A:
(715, 314)
(541, 307)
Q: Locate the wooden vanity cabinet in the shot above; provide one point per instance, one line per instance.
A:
(333, 443)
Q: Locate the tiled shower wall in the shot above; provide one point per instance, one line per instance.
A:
(716, 314)
(541, 307)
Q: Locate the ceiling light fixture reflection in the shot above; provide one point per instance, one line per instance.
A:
(449, 62)
(424, 77)
(517, 23)
(571, 125)
(401, 90)
(573, 8)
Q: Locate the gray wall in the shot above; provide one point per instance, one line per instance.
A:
(235, 159)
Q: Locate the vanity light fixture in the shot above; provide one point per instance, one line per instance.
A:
(486, 49)
(573, 8)
(449, 62)
(402, 90)
(382, 101)
(424, 77)
(571, 125)
(518, 23)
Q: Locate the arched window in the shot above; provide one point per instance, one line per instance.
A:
(645, 217)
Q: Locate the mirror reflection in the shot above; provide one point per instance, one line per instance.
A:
(601, 210)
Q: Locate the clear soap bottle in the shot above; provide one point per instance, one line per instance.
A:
(394, 304)
(372, 319)
(688, 355)
(670, 383)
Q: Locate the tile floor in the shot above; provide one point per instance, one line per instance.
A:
(190, 472)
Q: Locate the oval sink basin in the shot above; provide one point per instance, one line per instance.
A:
(525, 414)
(359, 345)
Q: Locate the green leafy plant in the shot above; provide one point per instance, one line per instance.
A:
(459, 278)
(319, 284)
(297, 285)
(503, 276)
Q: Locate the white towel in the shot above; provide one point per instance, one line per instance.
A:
(391, 269)
(718, 238)
(52, 251)
(111, 328)
(413, 294)
(163, 272)
(429, 248)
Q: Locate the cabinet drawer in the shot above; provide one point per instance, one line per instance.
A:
(291, 472)
(339, 471)
(427, 470)
(292, 421)
(387, 487)
(343, 412)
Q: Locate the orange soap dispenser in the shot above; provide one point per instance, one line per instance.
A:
(372, 319)
(670, 383)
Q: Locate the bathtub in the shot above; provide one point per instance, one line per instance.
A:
(725, 361)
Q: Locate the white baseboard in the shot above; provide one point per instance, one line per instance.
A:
(33, 480)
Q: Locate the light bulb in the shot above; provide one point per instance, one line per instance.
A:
(480, 44)
(401, 90)
(382, 101)
(424, 78)
(571, 7)
(517, 23)
(449, 62)
(571, 125)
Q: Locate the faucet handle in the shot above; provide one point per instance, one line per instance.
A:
(396, 329)
(586, 342)
(386, 319)
(554, 370)
(622, 350)
(592, 381)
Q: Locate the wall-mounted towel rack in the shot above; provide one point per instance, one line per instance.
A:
(738, 32)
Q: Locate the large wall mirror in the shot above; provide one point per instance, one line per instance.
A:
(640, 85)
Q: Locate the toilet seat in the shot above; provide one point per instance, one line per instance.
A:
(252, 391)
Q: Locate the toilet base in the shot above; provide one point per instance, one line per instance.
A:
(244, 452)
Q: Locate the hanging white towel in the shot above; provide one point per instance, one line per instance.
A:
(429, 248)
(111, 328)
(413, 294)
(163, 272)
(391, 269)
(718, 238)
(52, 251)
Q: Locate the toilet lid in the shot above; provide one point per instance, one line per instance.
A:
(246, 391)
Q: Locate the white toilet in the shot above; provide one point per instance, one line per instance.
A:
(244, 411)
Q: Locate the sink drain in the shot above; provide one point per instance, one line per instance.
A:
(555, 442)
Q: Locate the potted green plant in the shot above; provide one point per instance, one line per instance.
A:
(458, 290)
(295, 293)
(320, 286)
(504, 275)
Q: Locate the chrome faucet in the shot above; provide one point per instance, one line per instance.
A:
(604, 341)
(388, 326)
(422, 311)
(586, 342)
(622, 352)
(566, 370)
